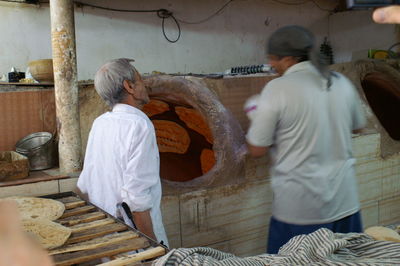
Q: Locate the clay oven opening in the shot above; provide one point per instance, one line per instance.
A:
(184, 140)
(198, 139)
(383, 95)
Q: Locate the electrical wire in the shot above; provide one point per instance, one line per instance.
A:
(291, 3)
(209, 17)
(119, 10)
(303, 2)
(321, 8)
(161, 13)
(165, 14)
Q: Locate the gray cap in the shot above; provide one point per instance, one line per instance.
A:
(298, 41)
(291, 41)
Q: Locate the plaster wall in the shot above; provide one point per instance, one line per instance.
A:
(352, 33)
(236, 36)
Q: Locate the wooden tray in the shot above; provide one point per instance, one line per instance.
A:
(96, 235)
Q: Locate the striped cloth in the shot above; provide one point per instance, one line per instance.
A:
(323, 247)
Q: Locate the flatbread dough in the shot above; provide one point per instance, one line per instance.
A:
(195, 121)
(155, 107)
(383, 233)
(38, 208)
(49, 234)
(207, 160)
(171, 137)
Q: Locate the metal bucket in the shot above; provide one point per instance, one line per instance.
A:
(40, 149)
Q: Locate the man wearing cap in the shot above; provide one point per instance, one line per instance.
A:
(304, 120)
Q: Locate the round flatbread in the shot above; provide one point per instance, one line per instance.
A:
(171, 137)
(207, 160)
(38, 208)
(383, 233)
(155, 107)
(49, 234)
(195, 121)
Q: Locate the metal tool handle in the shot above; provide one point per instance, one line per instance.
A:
(126, 214)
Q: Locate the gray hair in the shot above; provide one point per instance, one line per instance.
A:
(109, 80)
(298, 42)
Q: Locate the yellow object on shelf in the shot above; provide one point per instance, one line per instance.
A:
(382, 54)
(378, 54)
(27, 80)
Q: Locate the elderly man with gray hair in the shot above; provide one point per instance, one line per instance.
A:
(122, 160)
(305, 120)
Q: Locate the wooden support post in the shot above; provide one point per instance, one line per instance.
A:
(66, 84)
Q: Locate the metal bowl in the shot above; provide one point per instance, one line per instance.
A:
(40, 149)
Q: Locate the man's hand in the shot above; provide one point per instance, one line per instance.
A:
(250, 106)
(256, 151)
(387, 15)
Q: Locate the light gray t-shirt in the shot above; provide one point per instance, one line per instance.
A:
(308, 129)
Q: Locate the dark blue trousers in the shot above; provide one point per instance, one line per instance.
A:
(280, 233)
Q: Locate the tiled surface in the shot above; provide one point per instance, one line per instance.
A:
(225, 213)
(34, 189)
(391, 177)
(248, 245)
(68, 184)
(48, 110)
(20, 116)
(379, 181)
(23, 113)
(256, 167)
(171, 220)
(369, 177)
(389, 210)
(370, 214)
(366, 147)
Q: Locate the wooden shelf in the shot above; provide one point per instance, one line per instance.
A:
(27, 84)
(34, 176)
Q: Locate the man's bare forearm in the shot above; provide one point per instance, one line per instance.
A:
(144, 223)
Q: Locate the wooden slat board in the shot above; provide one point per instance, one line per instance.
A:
(72, 205)
(132, 258)
(84, 218)
(96, 232)
(96, 243)
(79, 210)
(86, 226)
(87, 255)
(95, 235)
(69, 199)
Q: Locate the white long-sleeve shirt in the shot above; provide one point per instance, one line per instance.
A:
(122, 165)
